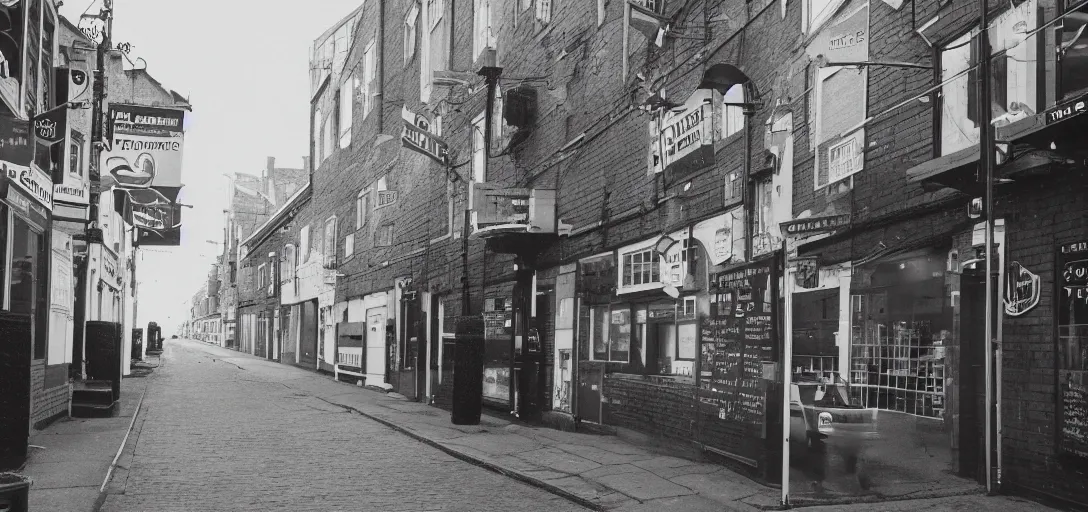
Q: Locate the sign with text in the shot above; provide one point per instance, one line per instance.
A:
(816, 224)
(1066, 111)
(386, 198)
(845, 41)
(1072, 341)
(156, 215)
(30, 180)
(418, 137)
(146, 147)
(685, 142)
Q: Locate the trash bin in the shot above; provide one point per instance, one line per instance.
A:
(14, 493)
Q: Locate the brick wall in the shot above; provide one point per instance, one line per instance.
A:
(661, 408)
(1042, 214)
(46, 404)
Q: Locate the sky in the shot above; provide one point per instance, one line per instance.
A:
(244, 65)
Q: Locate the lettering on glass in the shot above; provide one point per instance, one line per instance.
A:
(1072, 340)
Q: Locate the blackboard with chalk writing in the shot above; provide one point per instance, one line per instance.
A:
(1072, 341)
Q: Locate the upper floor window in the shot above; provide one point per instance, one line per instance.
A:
(341, 43)
(433, 53)
(818, 12)
(329, 251)
(1013, 81)
(304, 244)
(1072, 55)
(544, 11)
(317, 138)
(328, 139)
(369, 86)
(732, 115)
(479, 155)
(641, 267)
(346, 100)
(483, 35)
(410, 32)
(289, 263)
(75, 154)
(349, 245)
(362, 208)
(262, 276)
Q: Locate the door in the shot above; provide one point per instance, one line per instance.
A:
(589, 394)
(308, 335)
(375, 343)
(972, 387)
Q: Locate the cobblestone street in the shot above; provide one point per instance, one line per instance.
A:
(215, 436)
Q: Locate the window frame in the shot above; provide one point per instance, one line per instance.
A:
(733, 119)
(543, 11)
(646, 247)
(483, 29)
(290, 257)
(349, 246)
(328, 251)
(479, 148)
(262, 275)
(369, 91)
(304, 245)
(345, 104)
(411, 20)
(362, 208)
(609, 309)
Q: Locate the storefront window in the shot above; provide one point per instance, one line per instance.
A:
(28, 278)
(611, 333)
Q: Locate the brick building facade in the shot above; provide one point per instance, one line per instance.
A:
(698, 155)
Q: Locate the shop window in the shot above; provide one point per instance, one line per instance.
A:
(610, 333)
(641, 267)
(26, 290)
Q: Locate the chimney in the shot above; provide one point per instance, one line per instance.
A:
(271, 165)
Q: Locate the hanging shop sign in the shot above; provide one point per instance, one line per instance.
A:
(497, 209)
(816, 224)
(386, 198)
(155, 214)
(684, 138)
(1022, 290)
(146, 149)
(417, 136)
(1072, 310)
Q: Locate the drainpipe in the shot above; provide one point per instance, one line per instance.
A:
(986, 161)
(381, 66)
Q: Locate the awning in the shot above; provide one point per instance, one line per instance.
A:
(954, 171)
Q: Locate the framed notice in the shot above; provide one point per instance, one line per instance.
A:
(1072, 340)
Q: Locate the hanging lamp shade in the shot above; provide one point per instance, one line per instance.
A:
(722, 77)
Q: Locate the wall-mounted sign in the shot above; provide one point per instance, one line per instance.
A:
(684, 144)
(498, 209)
(1072, 351)
(156, 215)
(386, 198)
(34, 182)
(1022, 290)
(51, 127)
(816, 224)
(1066, 110)
(146, 149)
(418, 137)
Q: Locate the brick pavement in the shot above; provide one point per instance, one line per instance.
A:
(216, 435)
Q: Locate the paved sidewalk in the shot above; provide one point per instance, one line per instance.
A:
(69, 460)
(601, 472)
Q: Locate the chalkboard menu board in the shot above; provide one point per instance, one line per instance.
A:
(1072, 342)
(737, 338)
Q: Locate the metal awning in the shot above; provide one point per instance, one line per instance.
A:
(954, 170)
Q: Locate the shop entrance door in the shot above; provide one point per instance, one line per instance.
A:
(589, 394)
(972, 369)
(308, 335)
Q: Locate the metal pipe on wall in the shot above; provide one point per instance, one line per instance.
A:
(986, 161)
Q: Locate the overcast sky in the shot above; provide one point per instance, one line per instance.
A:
(244, 66)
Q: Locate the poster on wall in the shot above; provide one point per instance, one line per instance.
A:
(737, 339)
(682, 142)
(1072, 280)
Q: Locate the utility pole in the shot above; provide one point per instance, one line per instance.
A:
(986, 161)
(92, 230)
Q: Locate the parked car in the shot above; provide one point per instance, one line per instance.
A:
(823, 422)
